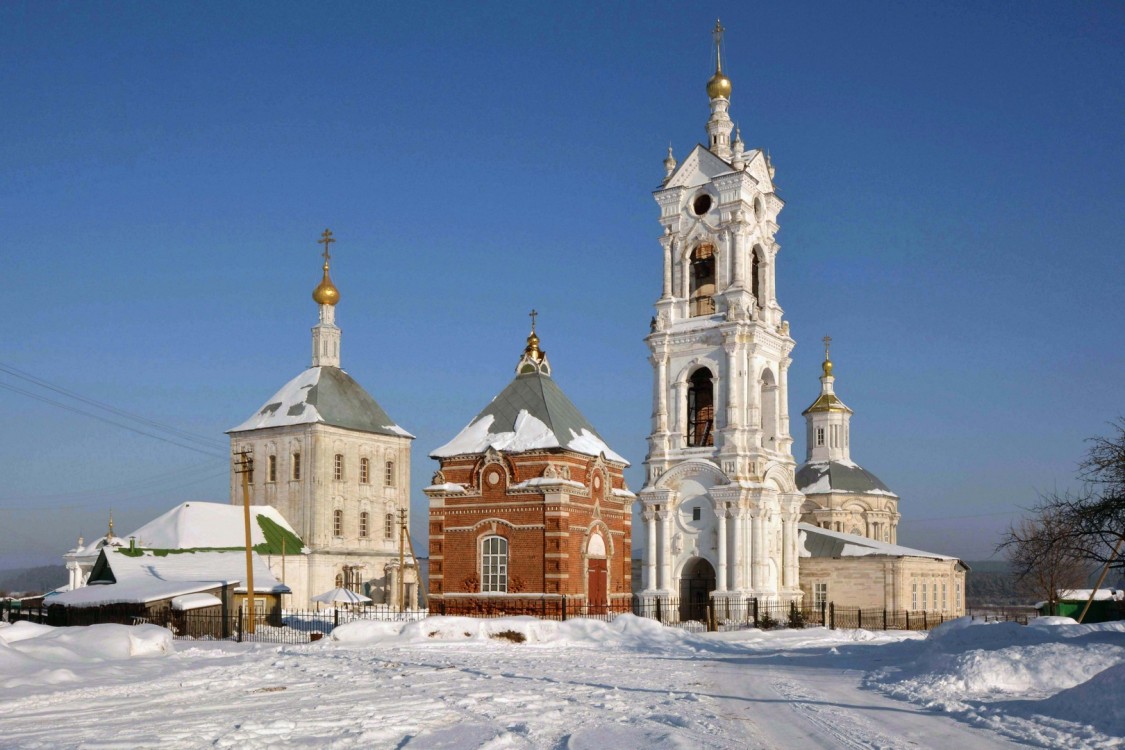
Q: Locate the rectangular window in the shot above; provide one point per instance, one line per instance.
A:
(925, 598)
(364, 471)
(296, 466)
(337, 523)
(696, 513)
(389, 474)
(363, 525)
(914, 596)
(494, 565)
(338, 467)
(957, 593)
(389, 526)
(835, 436)
(820, 594)
(820, 436)
(271, 469)
(944, 605)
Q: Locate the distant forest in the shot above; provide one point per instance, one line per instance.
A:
(32, 580)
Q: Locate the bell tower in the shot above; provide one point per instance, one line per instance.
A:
(720, 506)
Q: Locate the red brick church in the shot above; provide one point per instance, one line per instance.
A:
(529, 506)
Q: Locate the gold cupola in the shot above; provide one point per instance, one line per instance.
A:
(326, 292)
(719, 85)
(533, 359)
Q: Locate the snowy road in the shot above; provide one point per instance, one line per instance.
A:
(656, 689)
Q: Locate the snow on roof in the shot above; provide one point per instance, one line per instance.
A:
(323, 395)
(147, 577)
(447, 487)
(818, 542)
(531, 413)
(1084, 594)
(817, 477)
(197, 601)
(196, 525)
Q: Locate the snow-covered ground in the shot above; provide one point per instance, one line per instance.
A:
(449, 682)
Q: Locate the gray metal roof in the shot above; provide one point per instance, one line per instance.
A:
(323, 395)
(840, 478)
(820, 542)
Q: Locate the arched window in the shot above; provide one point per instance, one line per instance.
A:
(389, 526)
(337, 522)
(389, 474)
(769, 410)
(339, 580)
(338, 467)
(364, 471)
(756, 276)
(700, 409)
(363, 518)
(702, 280)
(494, 564)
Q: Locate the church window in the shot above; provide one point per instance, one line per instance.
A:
(338, 467)
(925, 597)
(363, 524)
(389, 474)
(702, 280)
(944, 605)
(700, 409)
(914, 595)
(271, 468)
(820, 436)
(696, 513)
(389, 526)
(769, 412)
(296, 466)
(494, 565)
(820, 594)
(835, 436)
(701, 204)
(957, 596)
(755, 276)
(337, 522)
(364, 471)
(339, 580)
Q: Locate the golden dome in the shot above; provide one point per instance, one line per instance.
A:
(718, 86)
(326, 292)
(827, 367)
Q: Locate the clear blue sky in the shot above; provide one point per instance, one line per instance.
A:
(953, 175)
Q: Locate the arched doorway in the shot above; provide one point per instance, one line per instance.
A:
(597, 576)
(696, 584)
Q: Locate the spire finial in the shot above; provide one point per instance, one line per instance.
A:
(533, 314)
(827, 360)
(326, 292)
(717, 34)
(532, 349)
(109, 534)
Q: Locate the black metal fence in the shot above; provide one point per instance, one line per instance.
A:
(305, 626)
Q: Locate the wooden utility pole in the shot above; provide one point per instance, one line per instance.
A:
(401, 561)
(245, 468)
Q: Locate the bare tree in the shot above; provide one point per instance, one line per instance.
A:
(1043, 561)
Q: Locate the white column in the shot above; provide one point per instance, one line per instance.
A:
(758, 555)
(783, 401)
(734, 403)
(738, 246)
(665, 580)
(662, 393)
(789, 551)
(667, 243)
(681, 414)
(737, 555)
(651, 551)
(721, 581)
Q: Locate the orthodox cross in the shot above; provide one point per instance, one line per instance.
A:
(717, 34)
(326, 240)
(827, 340)
(533, 315)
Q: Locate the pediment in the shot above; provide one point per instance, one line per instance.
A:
(700, 167)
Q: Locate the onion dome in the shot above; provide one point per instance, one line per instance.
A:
(326, 292)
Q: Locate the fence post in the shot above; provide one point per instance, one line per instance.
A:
(710, 619)
(442, 602)
(564, 608)
(240, 624)
(831, 615)
(908, 619)
(335, 617)
(754, 606)
(884, 618)
(859, 618)
(925, 621)
(823, 614)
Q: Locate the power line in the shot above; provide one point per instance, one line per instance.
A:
(176, 432)
(150, 483)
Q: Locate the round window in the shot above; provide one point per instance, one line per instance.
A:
(493, 477)
(701, 204)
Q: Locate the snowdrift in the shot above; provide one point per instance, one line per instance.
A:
(32, 654)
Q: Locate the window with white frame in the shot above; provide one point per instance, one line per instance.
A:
(363, 517)
(337, 522)
(820, 436)
(271, 468)
(389, 474)
(820, 595)
(957, 594)
(494, 564)
(914, 596)
(364, 471)
(338, 467)
(389, 526)
(925, 597)
(944, 606)
(296, 474)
